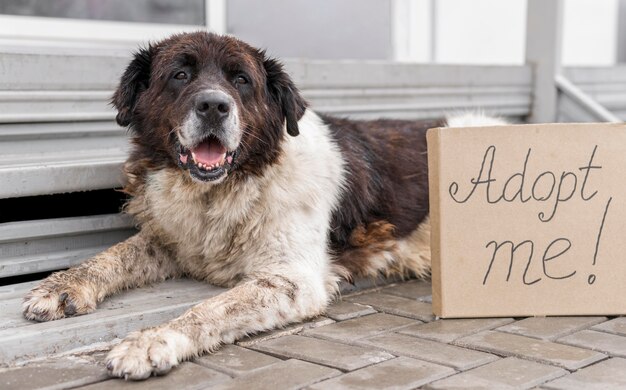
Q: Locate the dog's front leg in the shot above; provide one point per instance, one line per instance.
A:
(263, 302)
(137, 261)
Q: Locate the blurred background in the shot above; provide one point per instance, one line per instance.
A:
(424, 31)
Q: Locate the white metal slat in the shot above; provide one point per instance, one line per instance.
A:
(83, 93)
(44, 245)
(80, 71)
(45, 158)
(64, 173)
(34, 131)
(54, 106)
(117, 316)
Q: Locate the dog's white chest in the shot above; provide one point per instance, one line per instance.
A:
(215, 233)
(225, 232)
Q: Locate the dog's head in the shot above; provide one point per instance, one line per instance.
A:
(208, 103)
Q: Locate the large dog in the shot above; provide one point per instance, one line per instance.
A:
(236, 182)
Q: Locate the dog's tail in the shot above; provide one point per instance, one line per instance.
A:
(474, 119)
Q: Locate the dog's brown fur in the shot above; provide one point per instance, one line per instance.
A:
(386, 198)
(306, 200)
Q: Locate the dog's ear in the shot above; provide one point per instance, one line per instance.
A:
(284, 92)
(134, 81)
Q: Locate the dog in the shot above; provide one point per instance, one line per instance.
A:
(235, 181)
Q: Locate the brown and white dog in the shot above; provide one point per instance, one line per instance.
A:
(235, 182)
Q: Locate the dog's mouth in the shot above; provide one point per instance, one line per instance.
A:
(207, 161)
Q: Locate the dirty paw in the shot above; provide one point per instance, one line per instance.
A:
(146, 353)
(51, 300)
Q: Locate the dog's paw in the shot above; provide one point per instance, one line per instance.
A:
(52, 300)
(149, 352)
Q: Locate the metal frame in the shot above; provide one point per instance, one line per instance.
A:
(584, 101)
(216, 16)
(555, 97)
(604, 86)
(411, 21)
(544, 28)
(552, 93)
(620, 54)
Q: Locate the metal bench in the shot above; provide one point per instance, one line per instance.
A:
(57, 133)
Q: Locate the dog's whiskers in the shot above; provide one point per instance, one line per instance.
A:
(251, 134)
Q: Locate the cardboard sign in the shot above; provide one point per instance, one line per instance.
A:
(528, 220)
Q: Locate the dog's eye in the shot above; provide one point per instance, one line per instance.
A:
(180, 76)
(241, 80)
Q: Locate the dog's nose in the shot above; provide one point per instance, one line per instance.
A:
(213, 105)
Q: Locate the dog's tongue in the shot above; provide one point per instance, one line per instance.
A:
(209, 152)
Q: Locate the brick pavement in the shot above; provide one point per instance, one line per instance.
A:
(377, 339)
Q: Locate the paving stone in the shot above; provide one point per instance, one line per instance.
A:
(94, 357)
(609, 374)
(550, 328)
(615, 326)
(399, 373)
(328, 346)
(235, 360)
(509, 373)
(187, 376)
(361, 284)
(413, 289)
(612, 344)
(56, 374)
(430, 351)
(328, 353)
(286, 331)
(448, 330)
(358, 328)
(396, 305)
(290, 374)
(343, 310)
(571, 358)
